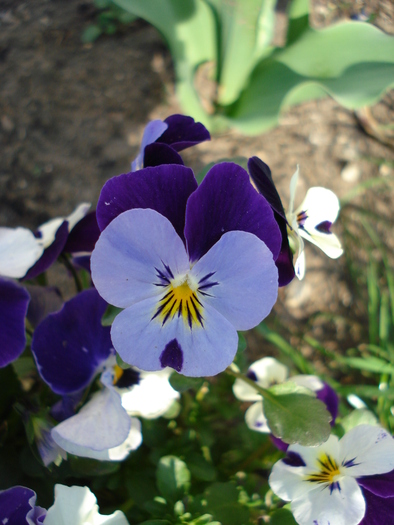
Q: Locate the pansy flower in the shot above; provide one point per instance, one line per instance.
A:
(312, 220)
(190, 266)
(267, 372)
(162, 140)
(18, 507)
(346, 481)
(70, 347)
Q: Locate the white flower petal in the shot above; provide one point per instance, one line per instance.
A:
(370, 447)
(320, 205)
(314, 383)
(49, 229)
(321, 506)
(267, 371)
(255, 418)
(78, 506)
(152, 396)
(19, 251)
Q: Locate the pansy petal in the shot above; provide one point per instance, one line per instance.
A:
(367, 450)
(327, 242)
(14, 301)
(245, 279)
(311, 455)
(100, 425)
(293, 188)
(183, 132)
(70, 345)
(17, 506)
(131, 252)
(226, 201)
(299, 265)
(323, 392)
(260, 174)
(157, 154)
(44, 301)
(51, 253)
(84, 235)
(325, 507)
(151, 397)
(255, 418)
(288, 482)
(78, 506)
(164, 188)
(381, 485)
(379, 510)
(147, 344)
(266, 372)
(19, 251)
(320, 205)
(152, 132)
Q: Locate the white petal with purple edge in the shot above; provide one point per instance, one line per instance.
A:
(152, 397)
(78, 506)
(371, 448)
(255, 418)
(100, 425)
(202, 351)
(130, 252)
(321, 506)
(19, 251)
(246, 275)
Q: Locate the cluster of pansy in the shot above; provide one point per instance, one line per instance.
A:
(189, 265)
(72, 505)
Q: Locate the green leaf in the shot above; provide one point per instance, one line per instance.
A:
(223, 504)
(173, 478)
(297, 418)
(156, 522)
(189, 28)
(91, 34)
(370, 364)
(357, 417)
(182, 383)
(109, 315)
(282, 517)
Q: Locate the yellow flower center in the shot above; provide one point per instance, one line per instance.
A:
(328, 472)
(180, 300)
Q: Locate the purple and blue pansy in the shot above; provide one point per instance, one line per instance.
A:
(261, 176)
(348, 481)
(190, 265)
(162, 140)
(17, 507)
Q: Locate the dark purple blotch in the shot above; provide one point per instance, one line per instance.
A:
(260, 173)
(324, 227)
(294, 460)
(172, 356)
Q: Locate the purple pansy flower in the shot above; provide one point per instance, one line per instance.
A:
(189, 265)
(18, 507)
(14, 301)
(163, 139)
(346, 482)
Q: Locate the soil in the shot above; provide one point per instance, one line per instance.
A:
(72, 116)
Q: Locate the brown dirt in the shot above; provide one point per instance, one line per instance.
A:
(72, 115)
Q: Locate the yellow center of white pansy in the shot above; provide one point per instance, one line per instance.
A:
(328, 471)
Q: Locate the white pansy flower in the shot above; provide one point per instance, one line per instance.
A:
(312, 221)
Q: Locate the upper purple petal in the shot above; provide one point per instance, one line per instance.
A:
(381, 484)
(84, 235)
(183, 132)
(18, 503)
(164, 189)
(50, 254)
(157, 154)
(379, 511)
(13, 307)
(226, 201)
(330, 399)
(70, 345)
(262, 178)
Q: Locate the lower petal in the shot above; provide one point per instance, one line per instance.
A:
(255, 418)
(379, 510)
(323, 506)
(202, 351)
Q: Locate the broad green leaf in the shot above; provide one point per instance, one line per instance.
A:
(282, 517)
(188, 27)
(297, 418)
(173, 478)
(357, 417)
(245, 32)
(222, 503)
(351, 61)
(182, 383)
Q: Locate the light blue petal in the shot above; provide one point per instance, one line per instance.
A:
(129, 253)
(247, 278)
(153, 130)
(100, 425)
(205, 351)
